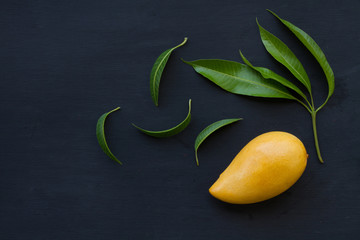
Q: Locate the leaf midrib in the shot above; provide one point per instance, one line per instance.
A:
(307, 85)
(314, 49)
(158, 67)
(255, 83)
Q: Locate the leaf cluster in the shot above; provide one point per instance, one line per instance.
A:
(247, 79)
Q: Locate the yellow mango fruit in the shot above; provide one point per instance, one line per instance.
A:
(267, 166)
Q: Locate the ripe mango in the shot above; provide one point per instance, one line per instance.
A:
(267, 166)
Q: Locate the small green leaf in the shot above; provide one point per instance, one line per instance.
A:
(269, 74)
(100, 134)
(239, 79)
(284, 55)
(209, 130)
(157, 71)
(315, 50)
(169, 132)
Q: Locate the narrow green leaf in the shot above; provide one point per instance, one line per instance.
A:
(269, 74)
(100, 134)
(239, 79)
(315, 50)
(209, 130)
(157, 71)
(169, 132)
(284, 55)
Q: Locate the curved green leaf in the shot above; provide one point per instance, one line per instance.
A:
(209, 130)
(284, 55)
(268, 74)
(315, 50)
(238, 78)
(157, 71)
(169, 132)
(100, 134)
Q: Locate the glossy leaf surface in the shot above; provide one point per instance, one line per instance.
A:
(239, 78)
(157, 71)
(315, 50)
(284, 55)
(100, 134)
(169, 132)
(209, 130)
(269, 74)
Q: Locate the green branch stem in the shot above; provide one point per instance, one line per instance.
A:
(313, 120)
(313, 112)
(313, 117)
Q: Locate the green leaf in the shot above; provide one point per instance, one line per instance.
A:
(284, 55)
(209, 130)
(315, 50)
(268, 74)
(238, 78)
(169, 132)
(157, 71)
(100, 134)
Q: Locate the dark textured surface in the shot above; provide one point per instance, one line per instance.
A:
(64, 63)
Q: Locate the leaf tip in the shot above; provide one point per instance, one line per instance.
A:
(196, 158)
(135, 126)
(241, 54)
(184, 61)
(244, 59)
(257, 22)
(155, 100)
(115, 109)
(274, 14)
(181, 44)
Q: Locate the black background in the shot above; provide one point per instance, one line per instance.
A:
(64, 63)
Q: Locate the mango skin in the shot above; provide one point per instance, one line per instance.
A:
(267, 166)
